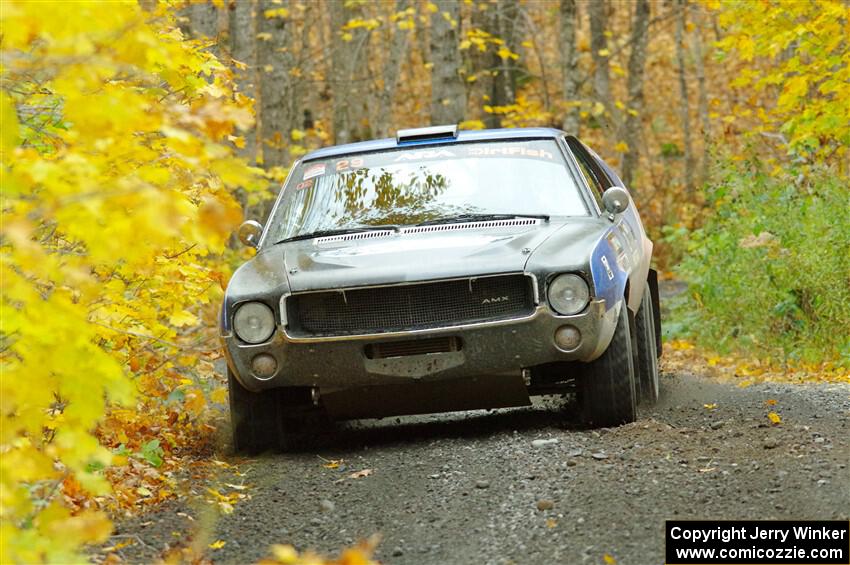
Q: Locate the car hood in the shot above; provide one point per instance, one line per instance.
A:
(557, 246)
(414, 257)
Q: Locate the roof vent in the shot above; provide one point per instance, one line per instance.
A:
(432, 133)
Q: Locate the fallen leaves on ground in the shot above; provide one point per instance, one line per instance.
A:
(359, 555)
(332, 463)
(683, 356)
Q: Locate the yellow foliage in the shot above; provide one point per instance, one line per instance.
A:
(801, 48)
(524, 112)
(115, 179)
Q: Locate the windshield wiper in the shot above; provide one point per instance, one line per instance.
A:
(340, 231)
(462, 218)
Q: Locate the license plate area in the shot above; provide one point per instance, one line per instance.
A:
(394, 349)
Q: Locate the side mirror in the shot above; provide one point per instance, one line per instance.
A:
(615, 200)
(249, 233)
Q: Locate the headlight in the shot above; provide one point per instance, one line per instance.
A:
(254, 322)
(568, 294)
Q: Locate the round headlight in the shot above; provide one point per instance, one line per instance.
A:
(254, 322)
(568, 294)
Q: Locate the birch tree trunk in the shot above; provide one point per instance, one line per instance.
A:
(347, 89)
(448, 93)
(199, 21)
(501, 21)
(274, 63)
(243, 49)
(398, 45)
(702, 101)
(685, 110)
(637, 60)
(600, 54)
(569, 66)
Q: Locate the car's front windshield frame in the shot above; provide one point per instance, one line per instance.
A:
(566, 161)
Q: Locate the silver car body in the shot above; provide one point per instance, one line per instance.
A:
(491, 366)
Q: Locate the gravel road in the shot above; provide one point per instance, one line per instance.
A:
(526, 486)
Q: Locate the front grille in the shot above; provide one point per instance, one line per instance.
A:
(408, 307)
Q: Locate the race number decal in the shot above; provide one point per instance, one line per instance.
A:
(314, 171)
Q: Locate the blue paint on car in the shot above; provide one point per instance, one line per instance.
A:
(609, 280)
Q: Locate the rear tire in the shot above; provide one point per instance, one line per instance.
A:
(647, 350)
(606, 387)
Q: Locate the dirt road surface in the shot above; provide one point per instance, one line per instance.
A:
(526, 486)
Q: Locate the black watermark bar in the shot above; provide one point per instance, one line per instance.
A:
(757, 542)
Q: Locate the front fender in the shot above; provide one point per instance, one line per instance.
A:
(608, 271)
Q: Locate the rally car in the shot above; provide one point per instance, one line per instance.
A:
(441, 270)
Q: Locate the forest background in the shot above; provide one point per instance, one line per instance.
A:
(136, 137)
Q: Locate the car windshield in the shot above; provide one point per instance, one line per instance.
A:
(426, 184)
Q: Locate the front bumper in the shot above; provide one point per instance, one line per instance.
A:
(489, 348)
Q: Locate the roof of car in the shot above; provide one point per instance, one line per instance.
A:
(462, 136)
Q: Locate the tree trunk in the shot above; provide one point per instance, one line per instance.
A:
(600, 54)
(347, 89)
(685, 110)
(499, 20)
(243, 48)
(702, 101)
(274, 63)
(398, 44)
(569, 66)
(637, 60)
(448, 94)
(202, 20)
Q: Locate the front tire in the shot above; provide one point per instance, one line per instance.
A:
(280, 418)
(606, 387)
(254, 417)
(647, 350)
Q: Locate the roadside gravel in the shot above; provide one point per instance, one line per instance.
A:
(525, 486)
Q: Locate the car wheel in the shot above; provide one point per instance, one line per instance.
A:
(280, 418)
(647, 350)
(606, 387)
(254, 417)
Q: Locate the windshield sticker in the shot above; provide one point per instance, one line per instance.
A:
(314, 171)
(503, 150)
(306, 184)
(423, 155)
(346, 164)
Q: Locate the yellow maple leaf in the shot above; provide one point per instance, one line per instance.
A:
(219, 395)
(182, 318)
(774, 418)
(217, 544)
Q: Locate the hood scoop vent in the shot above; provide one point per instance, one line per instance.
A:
(519, 222)
(353, 236)
(514, 223)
